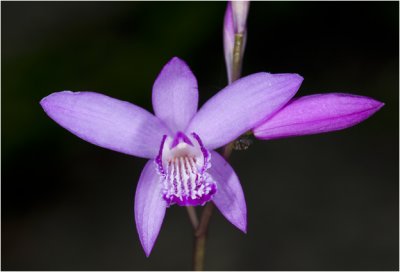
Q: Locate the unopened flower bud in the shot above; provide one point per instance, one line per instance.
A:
(240, 10)
(235, 35)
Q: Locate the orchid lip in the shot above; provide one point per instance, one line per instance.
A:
(182, 164)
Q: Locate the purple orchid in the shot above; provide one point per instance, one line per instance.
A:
(179, 140)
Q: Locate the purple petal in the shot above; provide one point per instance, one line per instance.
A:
(175, 95)
(229, 198)
(241, 106)
(106, 122)
(317, 114)
(149, 206)
(229, 39)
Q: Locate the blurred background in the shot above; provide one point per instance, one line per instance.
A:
(321, 202)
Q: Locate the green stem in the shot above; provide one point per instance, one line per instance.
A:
(237, 57)
(226, 153)
(193, 216)
(201, 237)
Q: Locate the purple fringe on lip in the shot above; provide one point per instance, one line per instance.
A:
(158, 159)
(206, 154)
(191, 192)
(188, 201)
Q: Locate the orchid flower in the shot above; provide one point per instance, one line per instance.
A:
(178, 140)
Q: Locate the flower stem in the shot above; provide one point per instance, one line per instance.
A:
(237, 57)
(226, 153)
(200, 238)
(200, 234)
(193, 216)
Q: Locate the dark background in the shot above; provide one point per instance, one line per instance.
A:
(321, 202)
